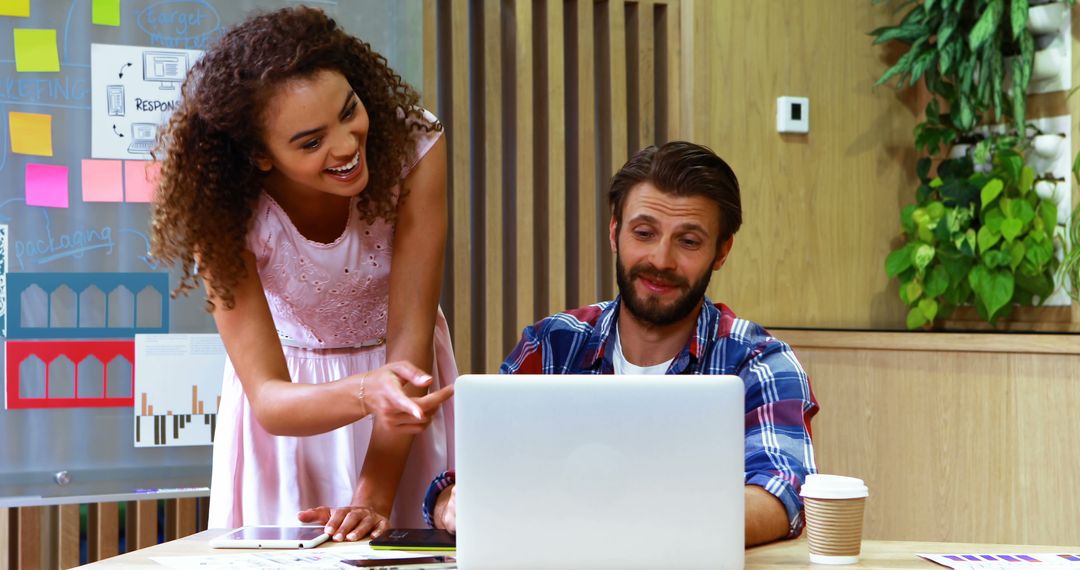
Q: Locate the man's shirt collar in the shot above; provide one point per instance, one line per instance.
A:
(598, 349)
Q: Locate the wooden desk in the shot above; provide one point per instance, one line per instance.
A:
(787, 554)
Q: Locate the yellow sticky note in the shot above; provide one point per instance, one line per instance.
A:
(31, 133)
(106, 12)
(35, 50)
(20, 8)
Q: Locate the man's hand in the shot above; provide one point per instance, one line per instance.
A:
(347, 523)
(445, 515)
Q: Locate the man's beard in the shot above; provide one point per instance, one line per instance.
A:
(650, 310)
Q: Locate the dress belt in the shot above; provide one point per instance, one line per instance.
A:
(370, 343)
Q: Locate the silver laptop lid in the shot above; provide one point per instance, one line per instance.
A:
(599, 471)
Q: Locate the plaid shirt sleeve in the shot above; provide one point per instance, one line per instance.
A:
(779, 405)
(444, 480)
(528, 356)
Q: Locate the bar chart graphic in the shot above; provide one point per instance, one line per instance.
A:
(177, 388)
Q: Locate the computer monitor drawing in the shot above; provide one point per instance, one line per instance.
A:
(143, 136)
(168, 68)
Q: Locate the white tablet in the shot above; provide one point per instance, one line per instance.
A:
(271, 537)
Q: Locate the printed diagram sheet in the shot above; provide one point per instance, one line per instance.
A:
(133, 91)
(177, 388)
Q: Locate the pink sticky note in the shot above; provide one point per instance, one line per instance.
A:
(141, 180)
(102, 180)
(46, 185)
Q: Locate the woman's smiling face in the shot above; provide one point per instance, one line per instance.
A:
(314, 132)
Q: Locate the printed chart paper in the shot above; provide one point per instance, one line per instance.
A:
(133, 90)
(177, 388)
(1008, 560)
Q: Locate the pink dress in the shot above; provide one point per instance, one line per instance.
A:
(329, 303)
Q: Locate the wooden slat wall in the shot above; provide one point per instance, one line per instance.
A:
(542, 100)
(960, 438)
(49, 537)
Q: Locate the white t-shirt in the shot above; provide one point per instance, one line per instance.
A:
(624, 366)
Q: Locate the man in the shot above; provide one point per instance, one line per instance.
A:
(675, 210)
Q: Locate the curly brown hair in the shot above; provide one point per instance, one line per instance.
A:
(209, 180)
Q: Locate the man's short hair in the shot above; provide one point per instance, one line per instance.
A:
(683, 169)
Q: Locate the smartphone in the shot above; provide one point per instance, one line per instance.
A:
(271, 537)
(415, 539)
(422, 563)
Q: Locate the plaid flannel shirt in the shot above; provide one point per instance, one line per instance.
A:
(779, 401)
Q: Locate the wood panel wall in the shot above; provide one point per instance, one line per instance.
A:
(960, 438)
(821, 211)
(49, 537)
(543, 100)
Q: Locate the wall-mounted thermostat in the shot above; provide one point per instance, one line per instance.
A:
(792, 114)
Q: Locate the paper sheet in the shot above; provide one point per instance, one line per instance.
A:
(314, 558)
(1006, 560)
(20, 8)
(177, 388)
(46, 185)
(141, 180)
(31, 133)
(106, 12)
(102, 180)
(133, 91)
(35, 50)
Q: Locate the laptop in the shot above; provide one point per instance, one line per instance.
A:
(144, 137)
(599, 471)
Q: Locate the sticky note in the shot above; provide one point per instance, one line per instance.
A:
(106, 12)
(20, 8)
(46, 185)
(141, 180)
(35, 50)
(31, 133)
(102, 180)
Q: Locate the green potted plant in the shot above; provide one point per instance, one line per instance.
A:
(977, 233)
(979, 238)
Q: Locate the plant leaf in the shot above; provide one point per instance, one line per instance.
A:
(914, 290)
(1016, 254)
(929, 308)
(922, 256)
(987, 238)
(1011, 228)
(915, 318)
(992, 219)
(922, 167)
(899, 260)
(1048, 214)
(996, 258)
(937, 281)
(994, 288)
(1019, 16)
(986, 25)
(990, 191)
(1027, 180)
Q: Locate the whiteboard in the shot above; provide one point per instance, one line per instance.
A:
(93, 447)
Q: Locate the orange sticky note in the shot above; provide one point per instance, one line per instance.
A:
(20, 8)
(102, 180)
(31, 133)
(35, 50)
(141, 180)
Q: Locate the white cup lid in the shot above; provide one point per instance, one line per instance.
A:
(818, 486)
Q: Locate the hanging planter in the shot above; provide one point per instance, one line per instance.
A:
(1047, 18)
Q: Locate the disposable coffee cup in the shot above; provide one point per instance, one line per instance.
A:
(834, 517)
